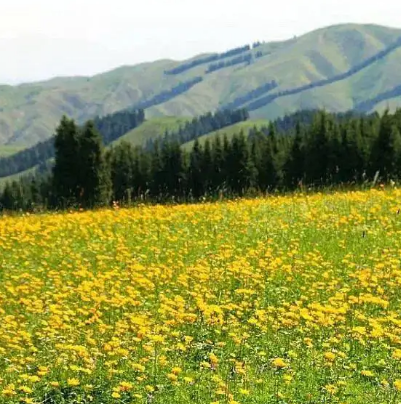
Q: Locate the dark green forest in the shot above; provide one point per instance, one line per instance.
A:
(110, 126)
(307, 149)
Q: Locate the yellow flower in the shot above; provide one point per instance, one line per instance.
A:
(397, 384)
(27, 400)
(331, 388)
(213, 359)
(367, 373)
(25, 389)
(138, 367)
(279, 363)
(172, 377)
(125, 386)
(9, 391)
(330, 356)
(73, 382)
(384, 383)
(397, 354)
(176, 370)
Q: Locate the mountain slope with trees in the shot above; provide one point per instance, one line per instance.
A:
(338, 68)
(310, 148)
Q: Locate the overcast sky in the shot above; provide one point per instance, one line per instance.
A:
(45, 38)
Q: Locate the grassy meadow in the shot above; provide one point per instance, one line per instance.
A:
(288, 299)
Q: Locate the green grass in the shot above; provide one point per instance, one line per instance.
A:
(229, 131)
(286, 299)
(151, 129)
(6, 151)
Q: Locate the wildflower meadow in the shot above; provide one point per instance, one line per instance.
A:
(286, 299)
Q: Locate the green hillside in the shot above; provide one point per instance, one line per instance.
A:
(151, 129)
(16, 177)
(229, 131)
(6, 151)
(337, 68)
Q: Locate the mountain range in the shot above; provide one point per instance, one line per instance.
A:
(339, 68)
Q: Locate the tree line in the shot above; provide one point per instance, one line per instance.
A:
(111, 127)
(232, 62)
(202, 125)
(251, 95)
(207, 59)
(168, 95)
(328, 150)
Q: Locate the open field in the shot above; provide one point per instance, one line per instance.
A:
(291, 299)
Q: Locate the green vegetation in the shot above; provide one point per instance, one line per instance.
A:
(287, 299)
(318, 57)
(307, 149)
(229, 132)
(17, 177)
(152, 129)
(6, 151)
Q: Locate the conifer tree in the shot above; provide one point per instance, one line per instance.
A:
(207, 166)
(94, 173)
(66, 169)
(218, 171)
(121, 165)
(295, 163)
(195, 174)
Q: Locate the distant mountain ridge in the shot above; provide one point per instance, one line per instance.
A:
(339, 68)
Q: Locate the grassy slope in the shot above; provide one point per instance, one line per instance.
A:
(315, 56)
(391, 104)
(6, 151)
(230, 131)
(152, 129)
(29, 113)
(343, 95)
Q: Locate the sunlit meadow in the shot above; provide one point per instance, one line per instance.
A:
(292, 299)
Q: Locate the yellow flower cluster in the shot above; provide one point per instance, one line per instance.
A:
(285, 299)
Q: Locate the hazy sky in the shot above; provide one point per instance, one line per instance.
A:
(43, 38)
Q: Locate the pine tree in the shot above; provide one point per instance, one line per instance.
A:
(383, 152)
(317, 150)
(66, 169)
(157, 174)
(395, 146)
(8, 199)
(94, 173)
(207, 166)
(295, 163)
(196, 176)
(243, 173)
(218, 170)
(121, 165)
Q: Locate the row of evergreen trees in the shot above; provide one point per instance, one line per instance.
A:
(331, 150)
(110, 126)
